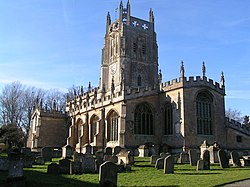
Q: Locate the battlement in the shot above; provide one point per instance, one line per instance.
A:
(237, 126)
(193, 82)
(141, 91)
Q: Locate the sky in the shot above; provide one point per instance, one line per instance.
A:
(55, 44)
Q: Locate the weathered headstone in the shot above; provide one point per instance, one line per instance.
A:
(65, 166)
(235, 158)
(26, 150)
(114, 159)
(193, 157)
(77, 167)
(67, 151)
(143, 151)
(46, 153)
(15, 166)
(88, 164)
(108, 174)
(204, 146)
(27, 161)
(117, 150)
(108, 151)
(200, 165)
(223, 160)
(184, 158)
(40, 160)
(126, 157)
(169, 164)
(206, 159)
(163, 155)
(153, 159)
(99, 159)
(107, 157)
(53, 169)
(4, 164)
(87, 149)
(57, 153)
(159, 163)
(213, 154)
(78, 156)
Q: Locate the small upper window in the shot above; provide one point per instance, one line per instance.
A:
(134, 47)
(143, 49)
(239, 139)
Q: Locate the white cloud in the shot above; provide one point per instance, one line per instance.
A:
(238, 94)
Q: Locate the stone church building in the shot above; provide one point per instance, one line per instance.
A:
(133, 107)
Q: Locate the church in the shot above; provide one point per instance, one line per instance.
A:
(133, 107)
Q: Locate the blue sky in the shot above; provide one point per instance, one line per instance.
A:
(54, 44)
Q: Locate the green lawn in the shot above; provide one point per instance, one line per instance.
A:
(143, 174)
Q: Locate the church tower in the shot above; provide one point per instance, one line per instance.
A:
(130, 52)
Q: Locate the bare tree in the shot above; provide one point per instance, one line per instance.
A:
(234, 114)
(55, 100)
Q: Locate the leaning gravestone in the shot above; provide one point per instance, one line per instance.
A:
(169, 164)
(53, 169)
(223, 160)
(206, 158)
(193, 157)
(4, 164)
(47, 154)
(235, 158)
(65, 166)
(108, 174)
(88, 164)
(153, 159)
(159, 163)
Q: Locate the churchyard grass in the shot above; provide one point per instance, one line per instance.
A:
(142, 174)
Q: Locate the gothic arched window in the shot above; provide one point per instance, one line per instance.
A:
(204, 105)
(93, 126)
(168, 119)
(139, 80)
(143, 120)
(112, 126)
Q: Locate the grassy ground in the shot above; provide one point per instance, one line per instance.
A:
(143, 174)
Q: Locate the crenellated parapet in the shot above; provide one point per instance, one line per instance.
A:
(184, 82)
(132, 93)
(237, 126)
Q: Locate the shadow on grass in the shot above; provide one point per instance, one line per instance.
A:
(233, 183)
(144, 166)
(35, 179)
(197, 173)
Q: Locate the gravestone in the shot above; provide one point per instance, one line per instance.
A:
(107, 157)
(46, 153)
(88, 164)
(143, 151)
(78, 156)
(4, 164)
(204, 146)
(53, 169)
(163, 155)
(206, 159)
(153, 159)
(57, 153)
(108, 174)
(114, 159)
(213, 154)
(184, 158)
(87, 149)
(117, 150)
(27, 161)
(108, 151)
(40, 160)
(67, 151)
(99, 159)
(223, 160)
(77, 167)
(235, 158)
(15, 169)
(159, 163)
(126, 157)
(169, 164)
(65, 166)
(152, 150)
(193, 157)
(200, 165)
(26, 150)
